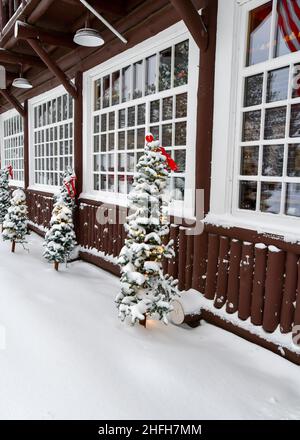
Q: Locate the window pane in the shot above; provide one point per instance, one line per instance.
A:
(111, 183)
(167, 135)
(140, 138)
(103, 182)
(122, 118)
(181, 63)
(179, 188)
(154, 111)
(253, 90)
(277, 88)
(270, 197)
(106, 91)
(273, 160)
(296, 81)
(121, 140)
(126, 84)
(131, 116)
(251, 126)
(180, 133)
(121, 184)
(293, 167)
(275, 123)
(181, 105)
(111, 121)
(292, 206)
(167, 110)
(150, 75)
(259, 34)
(287, 27)
(165, 69)
(248, 191)
(141, 114)
(116, 88)
(104, 122)
(138, 79)
(295, 121)
(130, 139)
(179, 156)
(249, 161)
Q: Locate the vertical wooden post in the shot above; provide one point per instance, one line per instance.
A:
(289, 295)
(258, 293)
(56, 265)
(234, 276)
(189, 261)
(13, 246)
(274, 284)
(246, 280)
(181, 258)
(212, 266)
(199, 266)
(26, 145)
(221, 291)
(78, 132)
(297, 310)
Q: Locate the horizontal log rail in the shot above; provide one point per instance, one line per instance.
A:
(7, 10)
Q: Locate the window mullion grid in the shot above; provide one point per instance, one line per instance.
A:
(261, 142)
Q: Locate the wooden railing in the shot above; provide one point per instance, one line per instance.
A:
(7, 10)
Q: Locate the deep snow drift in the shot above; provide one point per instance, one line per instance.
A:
(68, 356)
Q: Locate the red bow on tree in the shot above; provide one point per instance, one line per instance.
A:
(171, 162)
(71, 186)
(10, 171)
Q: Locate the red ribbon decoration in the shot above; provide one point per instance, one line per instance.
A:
(171, 162)
(71, 186)
(10, 171)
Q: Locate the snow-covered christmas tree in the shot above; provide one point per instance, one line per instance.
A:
(15, 223)
(4, 193)
(145, 290)
(60, 239)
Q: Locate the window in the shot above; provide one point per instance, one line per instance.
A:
(151, 93)
(269, 153)
(52, 138)
(13, 145)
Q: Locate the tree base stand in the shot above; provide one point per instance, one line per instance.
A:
(13, 246)
(56, 264)
(143, 322)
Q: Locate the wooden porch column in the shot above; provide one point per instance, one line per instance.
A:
(26, 145)
(13, 101)
(78, 131)
(204, 136)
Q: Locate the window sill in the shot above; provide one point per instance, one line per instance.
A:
(288, 232)
(44, 188)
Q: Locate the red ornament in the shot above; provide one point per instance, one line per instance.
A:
(71, 186)
(10, 170)
(171, 162)
(149, 137)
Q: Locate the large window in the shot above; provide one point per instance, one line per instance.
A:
(52, 138)
(13, 145)
(269, 138)
(152, 92)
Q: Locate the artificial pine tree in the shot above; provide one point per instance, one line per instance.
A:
(4, 193)
(145, 290)
(67, 191)
(15, 223)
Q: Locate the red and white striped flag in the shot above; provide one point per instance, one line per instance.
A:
(289, 22)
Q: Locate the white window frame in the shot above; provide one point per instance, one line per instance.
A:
(230, 69)
(173, 35)
(32, 103)
(4, 117)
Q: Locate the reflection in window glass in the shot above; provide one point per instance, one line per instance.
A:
(165, 58)
(181, 105)
(296, 81)
(251, 126)
(141, 114)
(167, 108)
(181, 63)
(287, 39)
(259, 34)
(167, 135)
(106, 91)
(270, 197)
(253, 90)
(150, 75)
(97, 93)
(272, 160)
(180, 133)
(247, 198)
(154, 111)
(126, 84)
(275, 121)
(179, 156)
(292, 206)
(249, 161)
(115, 88)
(277, 88)
(293, 167)
(138, 79)
(178, 192)
(295, 121)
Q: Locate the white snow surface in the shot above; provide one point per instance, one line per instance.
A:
(68, 356)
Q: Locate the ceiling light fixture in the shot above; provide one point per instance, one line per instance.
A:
(22, 83)
(88, 37)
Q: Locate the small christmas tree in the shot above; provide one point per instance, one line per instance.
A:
(60, 239)
(145, 290)
(67, 191)
(4, 192)
(15, 223)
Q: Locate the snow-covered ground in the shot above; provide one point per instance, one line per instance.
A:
(68, 356)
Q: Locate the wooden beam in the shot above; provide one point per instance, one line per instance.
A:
(115, 7)
(53, 67)
(193, 21)
(25, 31)
(13, 101)
(18, 58)
(39, 10)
